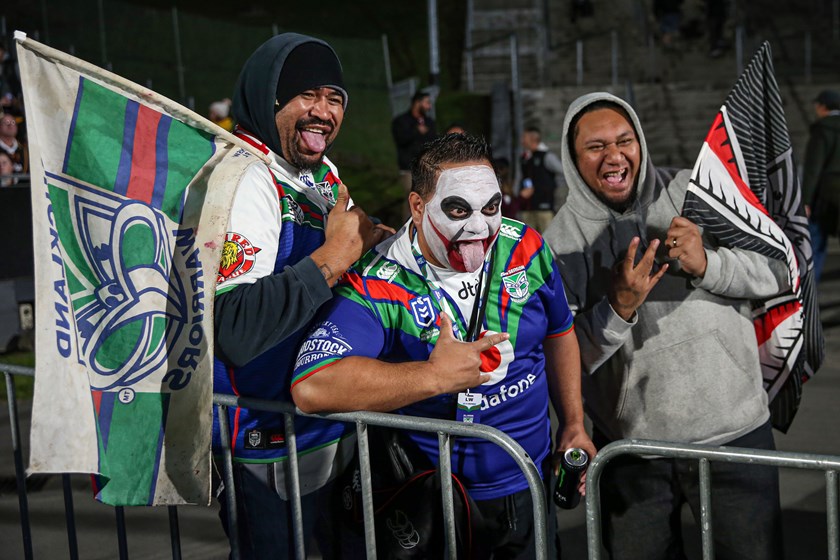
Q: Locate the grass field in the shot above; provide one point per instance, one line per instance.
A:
(23, 384)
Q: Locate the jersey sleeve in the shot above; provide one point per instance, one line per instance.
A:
(253, 233)
(347, 326)
(560, 318)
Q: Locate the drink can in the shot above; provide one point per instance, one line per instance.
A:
(572, 465)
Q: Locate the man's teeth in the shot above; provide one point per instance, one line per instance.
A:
(315, 130)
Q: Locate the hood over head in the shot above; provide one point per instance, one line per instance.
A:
(279, 70)
(580, 195)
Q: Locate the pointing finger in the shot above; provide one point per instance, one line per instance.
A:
(492, 340)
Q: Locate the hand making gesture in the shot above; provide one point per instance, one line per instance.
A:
(632, 283)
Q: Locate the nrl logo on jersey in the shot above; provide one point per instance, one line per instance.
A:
(516, 284)
(238, 257)
(423, 311)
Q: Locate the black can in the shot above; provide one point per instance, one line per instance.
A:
(572, 465)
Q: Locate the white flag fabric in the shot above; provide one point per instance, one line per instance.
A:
(130, 198)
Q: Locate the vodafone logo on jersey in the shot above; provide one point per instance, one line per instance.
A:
(496, 360)
(238, 256)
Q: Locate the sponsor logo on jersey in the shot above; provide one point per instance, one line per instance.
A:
(508, 392)
(324, 342)
(387, 271)
(423, 311)
(468, 290)
(509, 231)
(496, 359)
(238, 257)
(516, 284)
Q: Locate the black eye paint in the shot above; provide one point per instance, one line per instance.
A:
(495, 201)
(451, 204)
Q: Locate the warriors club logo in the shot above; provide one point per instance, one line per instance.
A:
(516, 284)
(238, 257)
(127, 288)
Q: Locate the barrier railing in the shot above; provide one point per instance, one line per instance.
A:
(704, 455)
(446, 430)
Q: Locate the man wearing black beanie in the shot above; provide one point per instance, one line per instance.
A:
(291, 235)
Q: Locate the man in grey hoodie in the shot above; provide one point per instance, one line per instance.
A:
(668, 348)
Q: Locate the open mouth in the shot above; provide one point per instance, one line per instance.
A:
(615, 178)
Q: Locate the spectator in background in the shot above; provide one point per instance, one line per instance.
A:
(9, 143)
(10, 90)
(668, 15)
(411, 130)
(219, 113)
(542, 178)
(7, 171)
(715, 20)
(510, 201)
(821, 176)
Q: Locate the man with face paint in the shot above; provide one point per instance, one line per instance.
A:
(290, 236)
(461, 306)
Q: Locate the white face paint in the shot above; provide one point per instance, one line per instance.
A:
(463, 217)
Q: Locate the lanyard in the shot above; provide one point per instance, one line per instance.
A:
(479, 306)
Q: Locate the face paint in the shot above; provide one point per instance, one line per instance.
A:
(463, 218)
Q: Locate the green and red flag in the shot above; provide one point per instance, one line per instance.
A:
(130, 199)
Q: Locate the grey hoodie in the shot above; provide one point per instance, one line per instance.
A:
(686, 367)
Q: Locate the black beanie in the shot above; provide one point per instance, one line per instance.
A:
(309, 66)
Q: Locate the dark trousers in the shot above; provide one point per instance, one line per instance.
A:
(508, 522)
(819, 248)
(265, 520)
(641, 501)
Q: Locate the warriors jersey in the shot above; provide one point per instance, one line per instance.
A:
(386, 309)
(277, 219)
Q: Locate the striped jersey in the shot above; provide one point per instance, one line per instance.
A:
(277, 219)
(385, 309)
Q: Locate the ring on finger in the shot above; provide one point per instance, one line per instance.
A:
(674, 242)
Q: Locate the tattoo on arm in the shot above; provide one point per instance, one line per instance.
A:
(326, 271)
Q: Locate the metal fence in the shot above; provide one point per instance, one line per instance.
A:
(444, 428)
(704, 454)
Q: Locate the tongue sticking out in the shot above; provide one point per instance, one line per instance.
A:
(314, 142)
(472, 253)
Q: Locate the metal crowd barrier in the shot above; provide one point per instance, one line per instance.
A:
(704, 454)
(445, 429)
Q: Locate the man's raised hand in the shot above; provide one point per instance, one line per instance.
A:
(349, 234)
(456, 364)
(632, 282)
